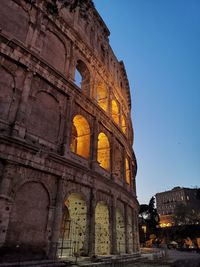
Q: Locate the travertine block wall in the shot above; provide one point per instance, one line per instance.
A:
(60, 141)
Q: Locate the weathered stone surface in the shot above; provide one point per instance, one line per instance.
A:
(52, 132)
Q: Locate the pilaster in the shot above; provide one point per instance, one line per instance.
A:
(57, 219)
(68, 127)
(113, 226)
(5, 201)
(94, 142)
(19, 128)
(91, 220)
(126, 228)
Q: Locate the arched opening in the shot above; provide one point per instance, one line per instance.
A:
(120, 231)
(115, 111)
(103, 153)
(130, 230)
(80, 137)
(73, 226)
(128, 173)
(102, 236)
(28, 218)
(102, 96)
(123, 124)
(82, 76)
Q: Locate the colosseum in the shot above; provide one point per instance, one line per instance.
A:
(67, 167)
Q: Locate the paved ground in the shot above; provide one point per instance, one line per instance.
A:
(171, 256)
(174, 254)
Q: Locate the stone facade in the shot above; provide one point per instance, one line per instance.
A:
(167, 202)
(67, 168)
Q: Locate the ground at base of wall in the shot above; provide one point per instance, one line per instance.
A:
(21, 253)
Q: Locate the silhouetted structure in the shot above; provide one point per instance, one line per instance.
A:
(168, 201)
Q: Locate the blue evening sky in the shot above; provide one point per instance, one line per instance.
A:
(159, 42)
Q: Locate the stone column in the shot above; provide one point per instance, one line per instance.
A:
(124, 168)
(64, 102)
(126, 228)
(136, 246)
(91, 220)
(5, 201)
(109, 102)
(112, 158)
(19, 128)
(94, 143)
(57, 219)
(68, 126)
(113, 226)
(137, 232)
(71, 67)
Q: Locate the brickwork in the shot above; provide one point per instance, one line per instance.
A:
(47, 155)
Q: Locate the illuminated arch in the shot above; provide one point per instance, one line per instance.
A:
(80, 138)
(103, 153)
(115, 111)
(128, 173)
(102, 235)
(120, 231)
(73, 226)
(102, 96)
(124, 127)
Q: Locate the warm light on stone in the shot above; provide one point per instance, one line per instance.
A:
(102, 97)
(67, 163)
(102, 235)
(80, 141)
(115, 111)
(103, 154)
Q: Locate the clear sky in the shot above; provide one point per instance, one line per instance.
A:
(159, 42)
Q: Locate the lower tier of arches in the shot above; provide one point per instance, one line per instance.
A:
(63, 216)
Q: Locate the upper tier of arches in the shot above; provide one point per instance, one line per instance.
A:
(102, 78)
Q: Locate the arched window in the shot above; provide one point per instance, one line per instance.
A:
(82, 76)
(80, 137)
(103, 153)
(115, 111)
(73, 226)
(102, 96)
(120, 231)
(128, 173)
(102, 234)
(123, 124)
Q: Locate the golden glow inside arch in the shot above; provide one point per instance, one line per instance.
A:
(102, 235)
(103, 153)
(128, 173)
(80, 139)
(123, 124)
(73, 226)
(120, 231)
(115, 111)
(102, 96)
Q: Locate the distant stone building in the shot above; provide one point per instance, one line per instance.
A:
(67, 168)
(167, 201)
